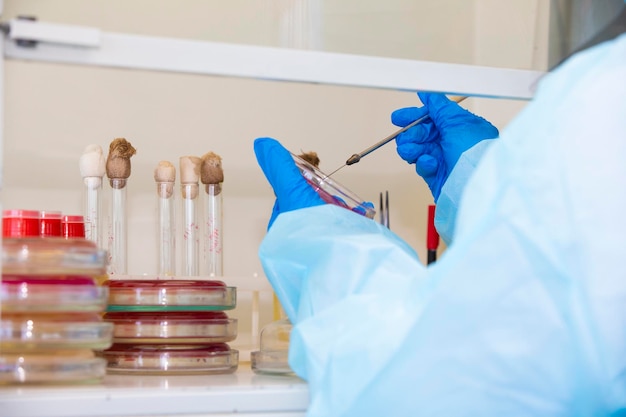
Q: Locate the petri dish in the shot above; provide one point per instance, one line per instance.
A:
(63, 367)
(51, 293)
(51, 255)
(167, 359)
(170, 295)
(331, 191)
(184, 327)
(24, 332)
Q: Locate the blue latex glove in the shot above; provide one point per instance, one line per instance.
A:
(291, 189)
(434, 146)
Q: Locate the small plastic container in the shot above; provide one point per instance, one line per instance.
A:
(20, 223)
(24, 332)
(51, 293)
(165, 359)
(273, 356)
(331, 191)
(73, 227)
(200, 327)
(170, 295)
(62, 367)
(50, 223)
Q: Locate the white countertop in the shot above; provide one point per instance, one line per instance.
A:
(242, 392)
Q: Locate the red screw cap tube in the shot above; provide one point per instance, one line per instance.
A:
(432, 237)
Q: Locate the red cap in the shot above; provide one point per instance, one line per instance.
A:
(432, 237)
(20, 223)
(50, 223)
(73, 227)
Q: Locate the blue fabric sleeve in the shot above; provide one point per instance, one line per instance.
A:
(525, 312)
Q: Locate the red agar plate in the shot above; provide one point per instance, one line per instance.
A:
(170, 295)
(184, 327)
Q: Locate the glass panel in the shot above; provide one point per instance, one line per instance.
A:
(452, 31)
(577, 24)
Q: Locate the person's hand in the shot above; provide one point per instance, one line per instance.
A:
(435, 145)
(291, 189)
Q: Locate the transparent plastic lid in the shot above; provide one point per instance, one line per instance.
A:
(22, 332)
(170, 295)
(42, 256)
(331, 191)
(51, 294)
(168, 359)
(199, 327)
(51, 368)
(273, 356)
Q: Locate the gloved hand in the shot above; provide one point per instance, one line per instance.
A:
(291, 189)
(435, 145)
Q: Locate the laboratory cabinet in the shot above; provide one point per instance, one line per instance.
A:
(212, 76)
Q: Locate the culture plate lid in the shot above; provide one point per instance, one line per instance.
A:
(170, 295)
(51, 368)
(171, 359)
(45, 256)
(178, 327)
(51, 293)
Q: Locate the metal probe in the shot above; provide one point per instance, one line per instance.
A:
(357, 156)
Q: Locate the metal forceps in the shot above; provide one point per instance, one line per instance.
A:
(357, 156)
(384, 209)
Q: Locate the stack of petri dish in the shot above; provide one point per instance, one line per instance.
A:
(171, 326)
(50, 306)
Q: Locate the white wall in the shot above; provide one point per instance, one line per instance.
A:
(54, 111)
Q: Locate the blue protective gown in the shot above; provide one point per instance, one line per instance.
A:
(524, 314)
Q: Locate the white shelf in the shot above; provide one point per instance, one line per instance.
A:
(68, 45)
(242, 393)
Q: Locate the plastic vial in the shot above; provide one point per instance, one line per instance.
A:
(20, 223)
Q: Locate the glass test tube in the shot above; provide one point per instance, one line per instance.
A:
(166, 239)
(118, 232)
(191, 238)
(213, 229)
(92, 209)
